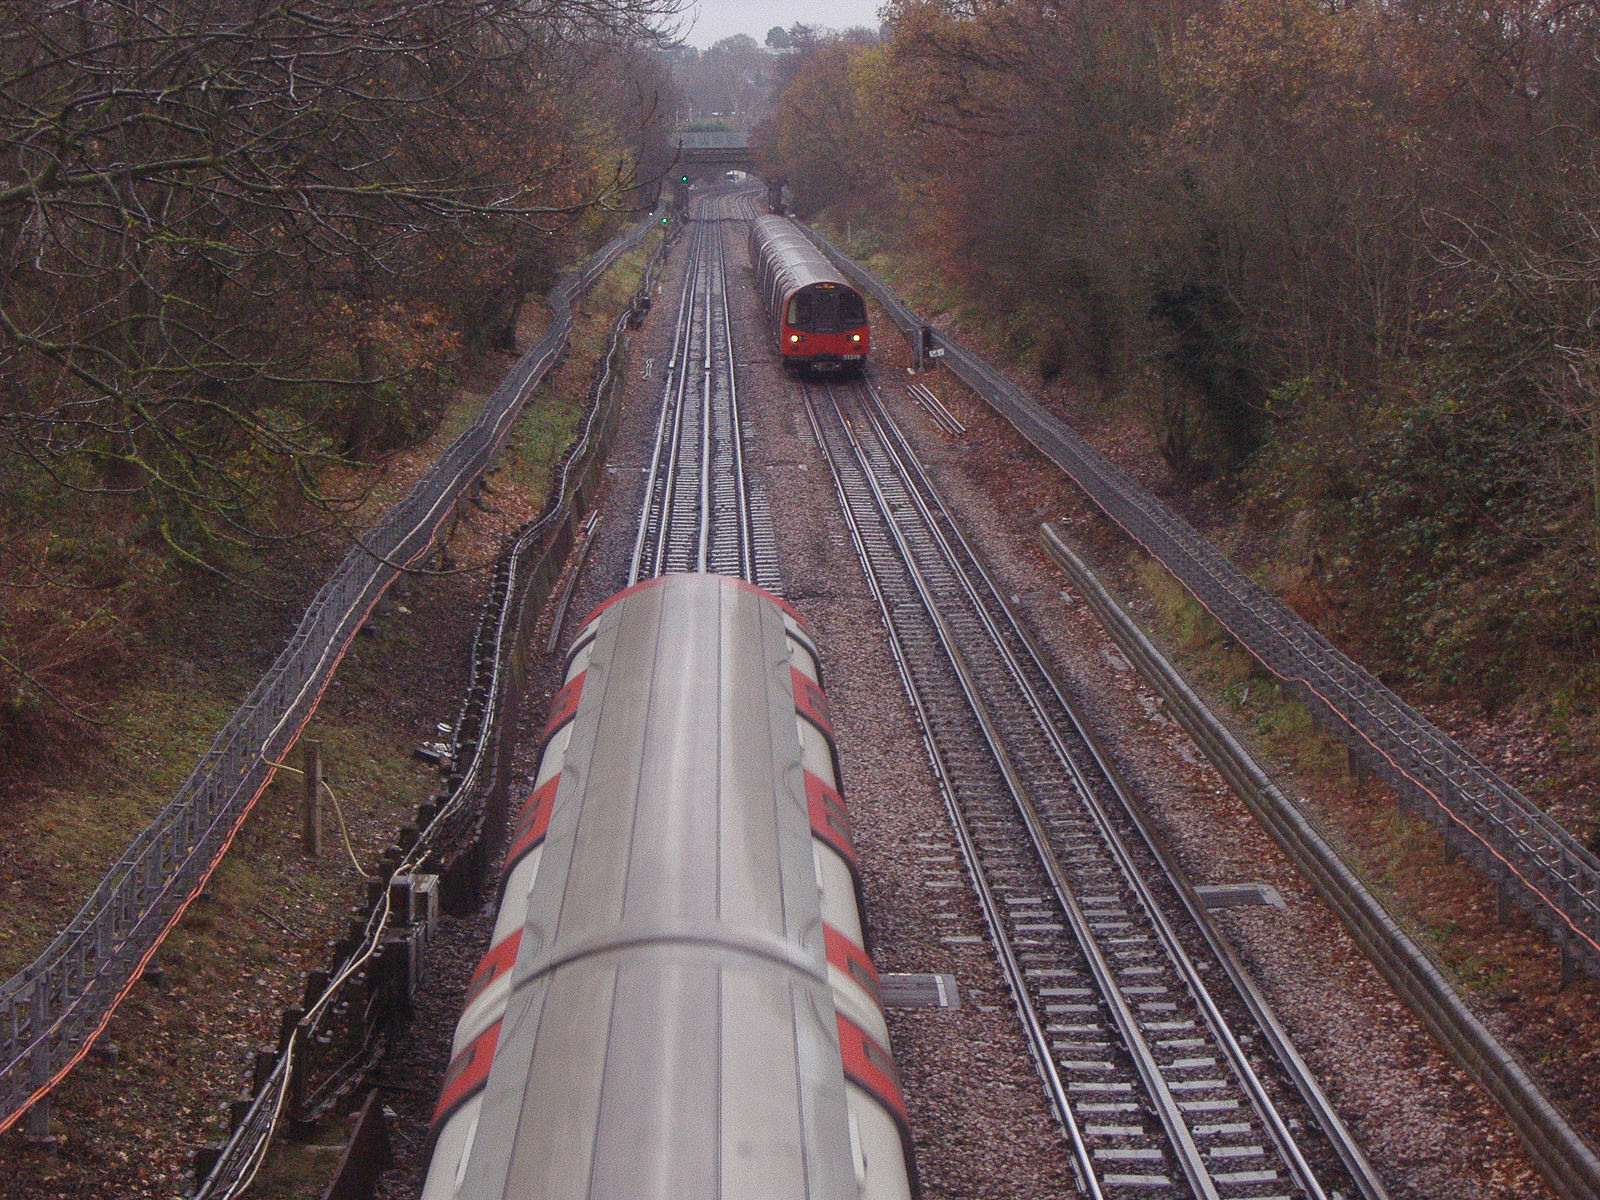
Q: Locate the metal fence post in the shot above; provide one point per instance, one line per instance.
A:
(311, 824)
(39, 1115)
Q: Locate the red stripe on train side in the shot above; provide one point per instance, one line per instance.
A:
(869, 1067)
(533, 822)
(467, 1074)
(564, 707)
(501, 958)
(830, 821)
(810, 703)
(852, 960)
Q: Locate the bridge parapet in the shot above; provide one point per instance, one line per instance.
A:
(714, 140)
(717, 149)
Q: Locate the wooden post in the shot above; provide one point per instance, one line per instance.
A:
(311, 830)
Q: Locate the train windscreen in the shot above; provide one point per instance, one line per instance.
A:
(825, 309)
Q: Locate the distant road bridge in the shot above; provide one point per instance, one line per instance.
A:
(702, 155)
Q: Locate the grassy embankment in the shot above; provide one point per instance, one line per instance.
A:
(238, 956)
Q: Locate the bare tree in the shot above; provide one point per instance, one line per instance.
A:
(209, 213)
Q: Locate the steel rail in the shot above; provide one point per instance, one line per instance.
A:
(726, 519)
(1334, 1129)
(1034, 1032)
(1186, 1155)
(674, 460)
(751, 568)
(674, 378)
(713, 269)
(942, 416)
(896, 611)
(742, 501)
(947, 531)
(733, 516)
(697, 512)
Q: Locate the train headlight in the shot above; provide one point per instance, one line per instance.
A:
(795, 339)
(856, 337)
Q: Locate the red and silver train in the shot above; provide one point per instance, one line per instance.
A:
(677, 1001)
(816, 317)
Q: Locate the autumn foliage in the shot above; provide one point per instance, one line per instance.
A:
(1340, 258)
(245, 247)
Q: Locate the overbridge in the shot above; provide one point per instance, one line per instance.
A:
(711, 153)
(701, 153)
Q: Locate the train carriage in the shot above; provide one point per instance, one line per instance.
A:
(815, 318)
(677, 1000)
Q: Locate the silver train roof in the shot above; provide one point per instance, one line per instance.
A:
(670, 1031)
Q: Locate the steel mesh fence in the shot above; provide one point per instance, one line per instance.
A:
(446, 824)
(1532, 859)
(52, 1010)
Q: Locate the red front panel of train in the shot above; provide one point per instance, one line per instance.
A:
(835, 347)
(824, 323)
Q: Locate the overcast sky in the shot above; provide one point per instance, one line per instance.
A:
(717, 19)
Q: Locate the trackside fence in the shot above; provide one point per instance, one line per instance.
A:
(1531, 859)
(52, 1011)
(1560, 1152)
(330, 1042)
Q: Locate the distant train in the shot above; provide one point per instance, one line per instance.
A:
(677, 1001)
(815, 317)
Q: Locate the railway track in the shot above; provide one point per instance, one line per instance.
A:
(700, 512)
(1164, 1066)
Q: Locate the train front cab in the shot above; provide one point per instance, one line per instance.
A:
(825, 327)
